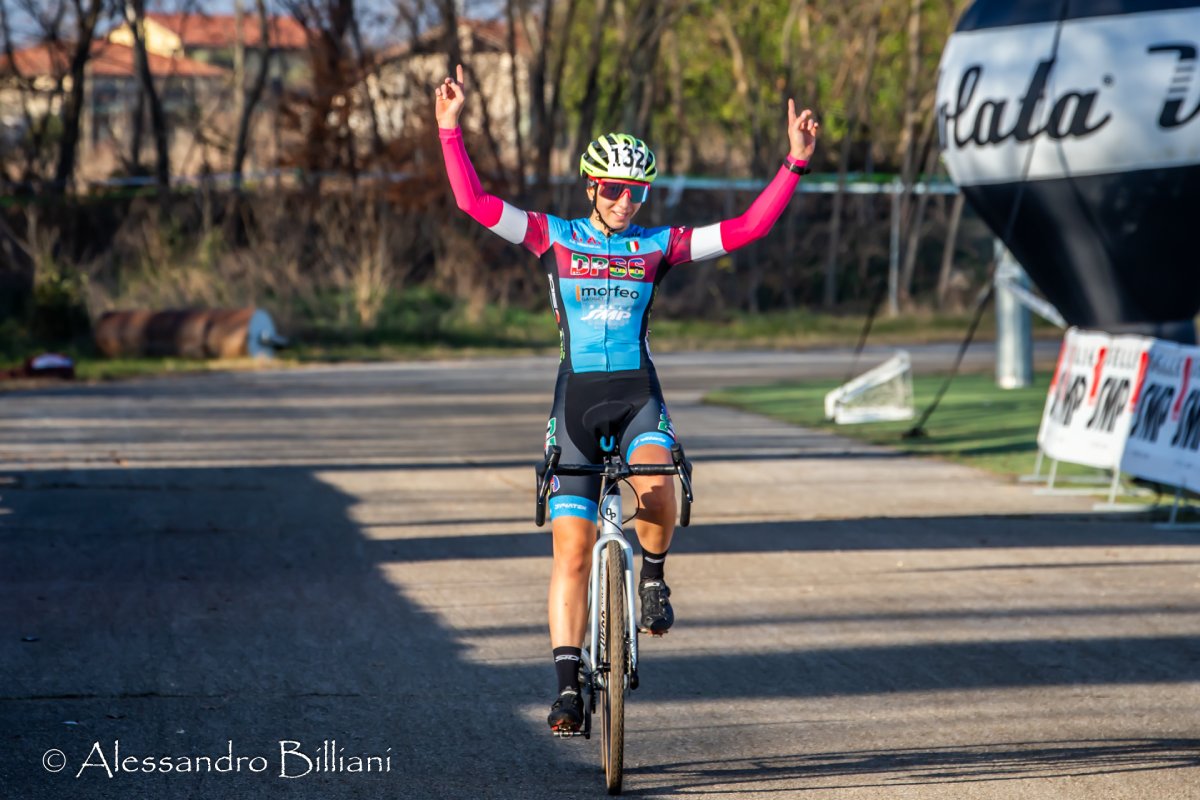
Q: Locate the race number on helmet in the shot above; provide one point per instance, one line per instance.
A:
(621, 156)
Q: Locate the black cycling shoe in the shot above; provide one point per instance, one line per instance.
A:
(657, 616)
(566, 715)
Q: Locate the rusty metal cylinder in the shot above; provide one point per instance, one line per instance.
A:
(187, 333)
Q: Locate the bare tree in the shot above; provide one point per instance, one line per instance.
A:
(87, 14)
(34, 129)
(741, 77)
(908, 134)
(799, 17)
(912, 238)
(920, 150)
(135, 17)
(250, 99)
(637, 78)
(858, 109)
(329, 22)
(546, 82)
(591, 92)
(510, 13)
(449, 13)
(943, 284)
(364, 68)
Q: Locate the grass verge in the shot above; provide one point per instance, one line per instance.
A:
(977, 423)
(424, 329)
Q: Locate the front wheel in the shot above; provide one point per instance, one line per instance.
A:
(615, 635)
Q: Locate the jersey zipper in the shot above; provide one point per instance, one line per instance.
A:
(607, 300)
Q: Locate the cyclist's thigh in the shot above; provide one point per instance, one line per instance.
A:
(571, 495)
(647, 440)
(573, 539)
(648, 437)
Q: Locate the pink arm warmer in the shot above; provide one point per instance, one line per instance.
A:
(506, 221)
(484, 208)
(763, 212)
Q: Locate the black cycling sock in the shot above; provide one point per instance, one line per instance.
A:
(566, 664)
(652, 565)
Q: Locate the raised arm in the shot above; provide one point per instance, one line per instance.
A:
(722, 237)
(505, 220)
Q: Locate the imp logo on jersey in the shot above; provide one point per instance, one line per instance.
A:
(606, 315)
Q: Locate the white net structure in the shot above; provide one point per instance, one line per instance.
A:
(881, 394)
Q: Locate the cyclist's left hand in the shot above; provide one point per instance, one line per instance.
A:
(802, 132)
(451, 96)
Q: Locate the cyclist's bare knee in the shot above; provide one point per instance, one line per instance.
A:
(656, 493)
(656, 499)
(573, 540)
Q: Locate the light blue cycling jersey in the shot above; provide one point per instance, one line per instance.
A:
(602, 287)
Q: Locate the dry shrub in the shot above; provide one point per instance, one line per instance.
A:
(359, 240)
(459, 269)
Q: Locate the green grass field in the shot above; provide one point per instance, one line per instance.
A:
(976, 423)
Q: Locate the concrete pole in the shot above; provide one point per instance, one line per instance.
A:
(894, 253)
(1014, 325)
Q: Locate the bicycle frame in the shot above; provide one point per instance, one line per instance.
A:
(611, 530)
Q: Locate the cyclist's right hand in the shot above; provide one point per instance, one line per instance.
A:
(451, 96)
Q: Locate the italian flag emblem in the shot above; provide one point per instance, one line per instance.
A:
(633, 246)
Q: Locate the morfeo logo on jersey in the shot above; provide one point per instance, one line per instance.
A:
(585, 266)
(586, 292)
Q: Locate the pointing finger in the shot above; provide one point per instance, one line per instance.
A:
(791, 112)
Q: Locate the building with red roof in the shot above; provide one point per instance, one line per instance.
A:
(214, 38)
(191, 59)
(217, 31)
(35, 80)
(51, 61)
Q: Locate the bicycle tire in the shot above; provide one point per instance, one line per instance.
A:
(616, 632)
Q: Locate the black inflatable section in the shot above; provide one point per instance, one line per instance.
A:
(1106, 249)
(1006, 13)
(1116, 251)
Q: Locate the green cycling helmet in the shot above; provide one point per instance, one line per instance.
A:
(619, 156)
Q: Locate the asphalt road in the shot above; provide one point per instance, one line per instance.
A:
(306, 570)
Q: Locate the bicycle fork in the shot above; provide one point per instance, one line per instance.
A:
(610, 531)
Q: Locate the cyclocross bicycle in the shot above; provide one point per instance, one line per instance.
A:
(609, 662)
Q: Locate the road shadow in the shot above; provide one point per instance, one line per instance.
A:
(916, 767)
(824, 536)
(183, 611)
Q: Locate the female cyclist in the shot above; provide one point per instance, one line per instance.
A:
(603, 272)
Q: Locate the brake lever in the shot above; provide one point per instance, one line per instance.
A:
(545, 473)
(683, 469)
